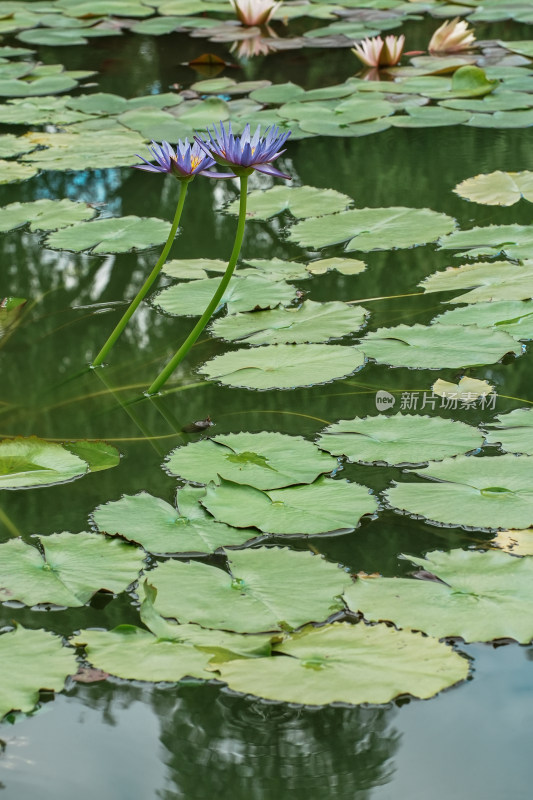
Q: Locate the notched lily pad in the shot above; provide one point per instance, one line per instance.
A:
(164, 529)
(302, 202)
(399, 439)
(497, 188)
(266, 460)
(325, 506)
(343, 663)
(487, 281)
(261, 592)
(283, 366)
(44, 215)
(67, 569)
(513, 431)
(31, 660)
(471, 491)
(479, 597)
(110, 235)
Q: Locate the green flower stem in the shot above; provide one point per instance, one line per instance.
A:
(165, 374)
(148, 282)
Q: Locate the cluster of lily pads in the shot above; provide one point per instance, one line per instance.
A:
(245, 620)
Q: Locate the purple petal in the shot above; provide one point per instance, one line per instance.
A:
(268, 169)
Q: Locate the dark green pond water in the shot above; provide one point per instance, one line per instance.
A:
(119, 740)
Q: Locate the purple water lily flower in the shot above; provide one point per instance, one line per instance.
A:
(184, 162)
(245, 153)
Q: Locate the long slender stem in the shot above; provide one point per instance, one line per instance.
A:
(148, 282)
(165, 374)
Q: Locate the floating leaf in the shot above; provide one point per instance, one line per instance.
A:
(244, 293)
(512, 316)
(399, 439)
(513, 431)
(429, 117)
(11, 145)
(492, 240)
(343, 663)
(31, 660)
(52, 84)
(374, 228)
(310, 322)
(97, 455)
(467, 81)
(85, 150)
(488, 281)
(479, 597)
(476, 492)
(322, 507)
(280, 93)
(12, 171)
(111, 235)
(44, 215)
(194, 268)
(161, 528)
(466, 390)
(136, 654)
(71, 568)
(346, 266)
(269, 589)
(266, 460)
(438, 345)
(518, 543)
(302, 202)
(497, 188)
(283, 366)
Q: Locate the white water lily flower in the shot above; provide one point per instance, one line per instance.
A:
(254, 12)
(453, 36)
(378, 53)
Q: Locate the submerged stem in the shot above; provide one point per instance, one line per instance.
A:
(165, 374)
(148, 282)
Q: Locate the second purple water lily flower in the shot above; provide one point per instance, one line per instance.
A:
(184, 162)
(245, 153)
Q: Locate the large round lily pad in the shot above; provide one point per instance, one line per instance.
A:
(44, 215)
(497, 188)
(111, 235)
(322, 507)
(71, 568)
(266, 460)
(283, 366)
(436, 346)
(487, 281)
(311, 322)
(478, 596)
(344, 663)
(301, 202)
(269, 589)
(512, 316)
(31, 461)
(513, 431)
(399, 439)
(31, 660)
(161, 528)
(470, 491)
(374, 228)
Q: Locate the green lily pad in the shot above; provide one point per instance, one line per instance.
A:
(497, 188)
(500, 100)
(154, 123)
(266, 460)
(302, 202)
(324, 506)
(71, 568)
(244, 293)
(110, 235)
(467, 81)
(30, 461)
(479, 597)
(31, 660)
(95, 8)
(436, 346)
(374, 228)
(13, 171)
(11, 145)
(310, 322)
(44, 215)
(85, 150)
(283, 366)
(488, 281)
(193, 268)
(513, 431)
(39, 111)
(429, 117)
(492, 240)
(267, 589)
(502, 120)
(52, 84)
(515, 317)
(136, 654)
(346, 266)
(343, 663)
(475, 492)
(278, 93)
(399, 439)
(161, 528)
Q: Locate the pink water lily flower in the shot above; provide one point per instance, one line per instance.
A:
(453, 36)
(378, 53)
(254, 12)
